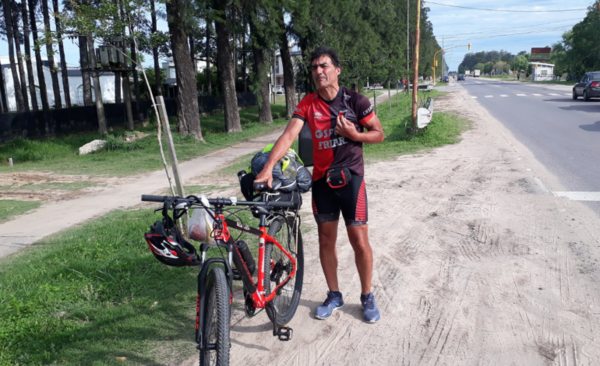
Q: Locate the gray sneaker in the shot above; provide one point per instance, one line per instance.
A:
(334, 301)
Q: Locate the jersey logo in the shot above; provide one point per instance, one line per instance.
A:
(346, 96)
(318, 115)
(368, 111)
(330, 144)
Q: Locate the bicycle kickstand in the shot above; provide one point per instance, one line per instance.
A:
(282, 332)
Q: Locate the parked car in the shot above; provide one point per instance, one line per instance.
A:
(588, 87)
(278, 89)
(461, 77)
(445, 79)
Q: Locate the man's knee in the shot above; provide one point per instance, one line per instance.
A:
(327, 234)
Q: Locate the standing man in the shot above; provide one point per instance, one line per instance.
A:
(337, 118)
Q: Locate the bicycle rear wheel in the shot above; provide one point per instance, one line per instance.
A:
(278, 266)
(216, 320)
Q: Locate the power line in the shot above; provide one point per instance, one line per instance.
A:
(507, 29)
(507, 11)
(517, 34)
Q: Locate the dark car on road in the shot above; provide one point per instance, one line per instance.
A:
(461, 77)
(588, 87)
(445, 79)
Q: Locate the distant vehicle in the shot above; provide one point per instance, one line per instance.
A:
(375, 86)
(445, 79)
(278, 89)
(461, 77)
(476, 73)
(467, 73)
(588, 87)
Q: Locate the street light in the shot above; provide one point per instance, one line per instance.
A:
(435, 63)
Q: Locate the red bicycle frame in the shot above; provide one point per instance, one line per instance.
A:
(258, 296)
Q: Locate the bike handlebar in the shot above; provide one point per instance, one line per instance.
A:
(219, 202)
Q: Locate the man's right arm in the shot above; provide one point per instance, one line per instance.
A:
(284, 142)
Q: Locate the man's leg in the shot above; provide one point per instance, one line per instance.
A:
(328, 252)
(363, 255)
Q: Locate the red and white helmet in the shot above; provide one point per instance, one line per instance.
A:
(169, 246)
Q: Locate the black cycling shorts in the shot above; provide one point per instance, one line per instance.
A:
(351, 200)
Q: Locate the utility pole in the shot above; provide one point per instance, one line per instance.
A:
(416, 68)
(443, 68)
(407, 47)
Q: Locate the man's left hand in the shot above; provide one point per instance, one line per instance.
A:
(345, 128)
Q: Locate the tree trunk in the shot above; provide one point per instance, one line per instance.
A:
(288, 71)
(187, 96)
(157, 76)
(3, 91)
(85, 71)
(136, 83)
(244, 55)
(61, 51)
(127, 97)
(30, 76)
(22, 76)
(226, 71)
(11, 55)
(51, 63)
(260, 70)
(192, 51)
(208, 72)
(117, 87)
(102, 128)
(38, 58)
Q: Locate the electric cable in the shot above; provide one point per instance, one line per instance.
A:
(506, 10)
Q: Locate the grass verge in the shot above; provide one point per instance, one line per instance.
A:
(59, 154)
(94, 294)
(11, 208)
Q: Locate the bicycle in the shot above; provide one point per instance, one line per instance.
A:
(280, 268)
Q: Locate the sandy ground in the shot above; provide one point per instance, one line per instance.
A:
(476, 263)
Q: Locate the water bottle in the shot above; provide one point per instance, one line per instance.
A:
(246, 256)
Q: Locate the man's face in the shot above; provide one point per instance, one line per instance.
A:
(324, 73)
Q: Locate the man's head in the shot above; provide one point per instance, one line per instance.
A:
(325, 67)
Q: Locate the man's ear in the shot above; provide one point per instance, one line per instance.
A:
(338, 70)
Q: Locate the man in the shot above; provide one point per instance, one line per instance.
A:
(337, 118)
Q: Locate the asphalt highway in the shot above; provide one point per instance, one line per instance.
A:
(563, 134)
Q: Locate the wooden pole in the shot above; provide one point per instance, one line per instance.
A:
(390, 97)
(416, 69)
(375, 100)
(171, 146)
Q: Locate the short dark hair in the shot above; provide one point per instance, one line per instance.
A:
(325, 51)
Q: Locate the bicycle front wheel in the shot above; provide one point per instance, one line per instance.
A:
(216, 320)
(278, 267)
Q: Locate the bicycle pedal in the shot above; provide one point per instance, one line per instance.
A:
(285, 333)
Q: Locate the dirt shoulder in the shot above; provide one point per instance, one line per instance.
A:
(476, 262)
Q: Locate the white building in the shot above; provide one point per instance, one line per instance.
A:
(541, 71)
(107, 85)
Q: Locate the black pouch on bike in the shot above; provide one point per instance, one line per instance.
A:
(338, 177)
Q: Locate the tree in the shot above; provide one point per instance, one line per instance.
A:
(38, 57)
(226, 67)
(187, 96)
(519, 63)
(50, 52)
(487, 67)
(11, 54)
(24, 18)
(479, 66)
(61, 51)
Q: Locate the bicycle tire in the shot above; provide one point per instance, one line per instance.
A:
(216, 320)
(284, 306)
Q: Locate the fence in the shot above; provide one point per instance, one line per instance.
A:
(81, 119)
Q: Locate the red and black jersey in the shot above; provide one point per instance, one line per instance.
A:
(329, 149)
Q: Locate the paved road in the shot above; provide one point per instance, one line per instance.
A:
(564, 134)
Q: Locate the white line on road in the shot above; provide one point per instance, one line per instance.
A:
(579, 196)
(503, 95)
(567, 93)
(553, 94)
(521, 95)
(489, 96)
(538, 95)
(474, 97)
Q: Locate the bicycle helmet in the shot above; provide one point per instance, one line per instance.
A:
(169, 246)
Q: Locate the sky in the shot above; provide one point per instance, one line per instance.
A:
(457, 26)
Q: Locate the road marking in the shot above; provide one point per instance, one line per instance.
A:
(521, 95)
(579, 196)
(474, 97)
(568, 94)
(553, 94)
(538, 95)
(503, 95)
(489, 96)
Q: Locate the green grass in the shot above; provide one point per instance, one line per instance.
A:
(445, 128)
(10, 208)
(557, 82)
(65, 186)
(440, 84)
(94, 293)
(59, 154)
